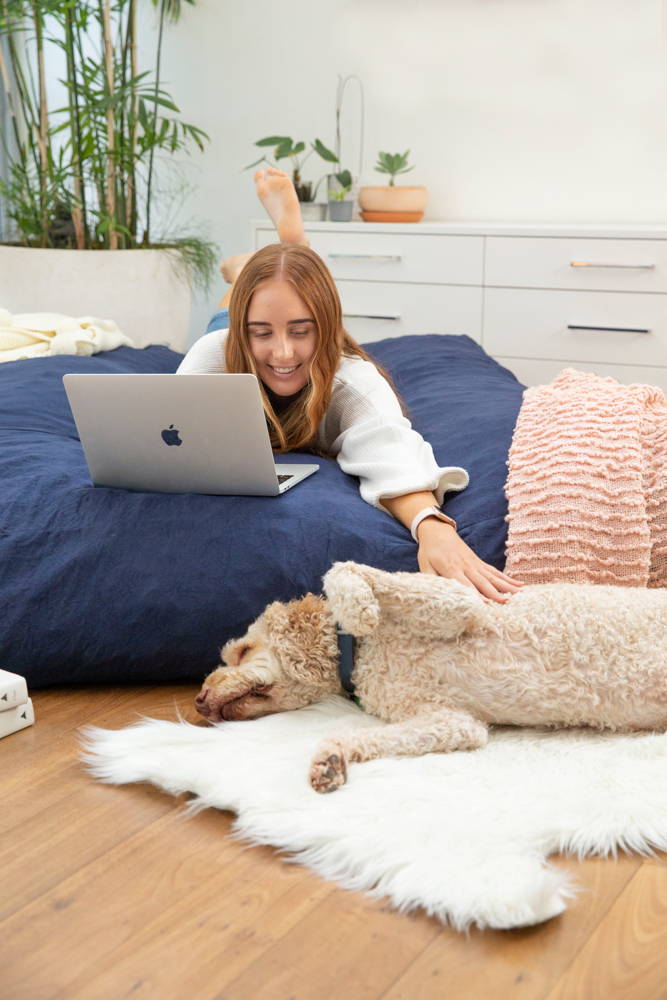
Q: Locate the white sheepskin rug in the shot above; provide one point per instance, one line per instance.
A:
(464, 835)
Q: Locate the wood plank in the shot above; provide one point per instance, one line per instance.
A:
(66, 829)
(626, 956)
(155, 907)
(59, 714)
(49, 798)
(51, 745)
(523, 962)
(349, 946)
(206, 938)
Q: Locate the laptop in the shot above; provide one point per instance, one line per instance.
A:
(178, 434)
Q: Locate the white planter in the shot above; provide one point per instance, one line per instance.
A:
(141, 290)
(313, 211)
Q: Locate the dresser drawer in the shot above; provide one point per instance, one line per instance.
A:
(532, 372)
(546, 324)
(575, 263)
(373, 310)
(395, 256)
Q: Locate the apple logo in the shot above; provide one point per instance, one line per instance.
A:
(170, 436)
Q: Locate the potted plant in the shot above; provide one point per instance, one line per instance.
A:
(284, 147)
(390, 202)
(83, 178)
(340, 202)
(339, 191)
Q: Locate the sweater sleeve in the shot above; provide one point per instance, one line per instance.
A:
(375, 442)
(206, 356)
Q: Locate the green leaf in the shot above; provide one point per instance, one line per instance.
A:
(143, 116)
(274, 140)
(325, 153)
(163, 102)
(283, 150)
(196, 134)
(262, 159)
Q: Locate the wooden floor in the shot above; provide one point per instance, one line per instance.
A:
(108, 892)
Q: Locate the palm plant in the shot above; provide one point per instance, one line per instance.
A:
(393, 164)
(83, 175)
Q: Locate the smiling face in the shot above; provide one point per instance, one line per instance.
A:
(282, 335)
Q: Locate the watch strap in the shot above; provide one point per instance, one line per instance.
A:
(431, 511)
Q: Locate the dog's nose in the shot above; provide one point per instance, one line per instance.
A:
(201, 702)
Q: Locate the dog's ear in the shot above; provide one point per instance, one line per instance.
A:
(351, 599)
(302, 638)
(233, 652)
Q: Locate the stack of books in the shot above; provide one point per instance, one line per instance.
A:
(16, 711)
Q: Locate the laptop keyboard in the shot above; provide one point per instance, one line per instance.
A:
(283, 478)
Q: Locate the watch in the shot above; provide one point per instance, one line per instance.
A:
(432, 511)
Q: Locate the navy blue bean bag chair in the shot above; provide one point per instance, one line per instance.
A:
(110, 586)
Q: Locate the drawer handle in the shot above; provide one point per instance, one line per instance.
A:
(395, 317)
(612, 329)
(635, 267)
(365, 256)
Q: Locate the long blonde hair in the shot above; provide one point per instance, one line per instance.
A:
(306, 271)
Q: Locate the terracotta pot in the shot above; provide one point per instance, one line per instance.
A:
(398, 198)
(143, 291)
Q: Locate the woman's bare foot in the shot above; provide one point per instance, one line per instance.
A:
(276, 192)
(231, 267)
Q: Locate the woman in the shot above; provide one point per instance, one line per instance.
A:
(321, 392)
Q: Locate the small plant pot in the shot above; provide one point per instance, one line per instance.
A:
(313, 211)
(341, 211)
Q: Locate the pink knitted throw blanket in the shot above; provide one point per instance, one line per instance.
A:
(587, 484)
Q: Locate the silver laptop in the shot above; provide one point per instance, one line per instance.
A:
(178, 434)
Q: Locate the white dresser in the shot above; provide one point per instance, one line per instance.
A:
(538, 298)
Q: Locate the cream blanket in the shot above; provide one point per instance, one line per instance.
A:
(587, 484)
(37, 335)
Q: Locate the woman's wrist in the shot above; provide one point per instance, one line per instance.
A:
(430, 514)
(432, 528)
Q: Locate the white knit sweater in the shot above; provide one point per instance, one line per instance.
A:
(363, 428)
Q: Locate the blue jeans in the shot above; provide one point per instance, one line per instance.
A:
(219, 321)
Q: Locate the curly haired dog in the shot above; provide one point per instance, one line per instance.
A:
(439, 664)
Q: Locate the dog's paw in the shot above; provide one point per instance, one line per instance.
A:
(351, 599)
(328, 770)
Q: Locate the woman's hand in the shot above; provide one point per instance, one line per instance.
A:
(443, 553)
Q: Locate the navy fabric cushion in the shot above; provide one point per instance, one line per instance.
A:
(111, 586)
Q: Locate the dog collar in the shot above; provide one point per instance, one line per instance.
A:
(346, 644)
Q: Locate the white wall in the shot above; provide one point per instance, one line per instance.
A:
(527, 110)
